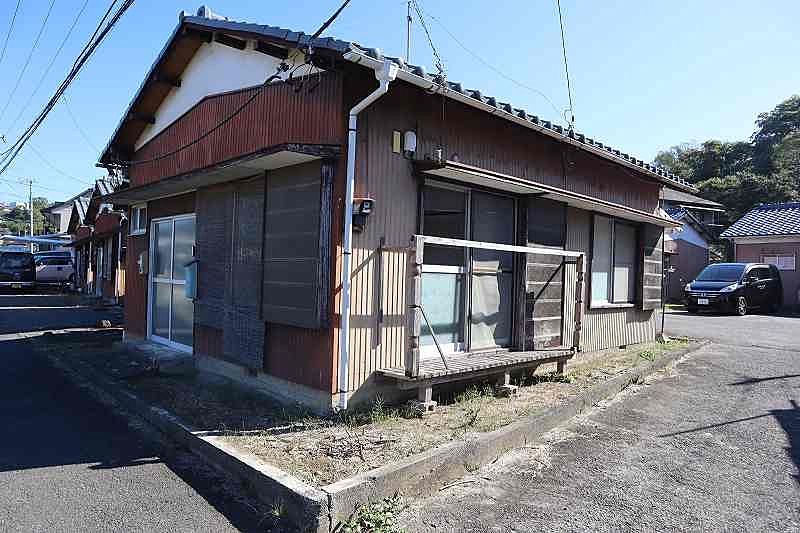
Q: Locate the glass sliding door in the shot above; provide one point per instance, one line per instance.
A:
(444, 271)
(492, 272)
(171, 318)
(467, 294)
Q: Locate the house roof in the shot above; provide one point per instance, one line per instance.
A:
(684, 198)
(766, 220)
(185, 41)
(682, 215)
(69, 202)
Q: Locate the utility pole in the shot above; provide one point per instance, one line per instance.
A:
(408, 33)
(30, 207)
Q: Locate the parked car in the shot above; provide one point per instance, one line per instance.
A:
(17, 270)
(735, 287)
(54, 269)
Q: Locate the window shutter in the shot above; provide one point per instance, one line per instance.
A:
(652, 267)
(297, 245)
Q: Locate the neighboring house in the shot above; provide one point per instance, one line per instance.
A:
(99, 238)
(688, 251)
(711, 215)
(59, 213)
(770, 233)
(248, 202)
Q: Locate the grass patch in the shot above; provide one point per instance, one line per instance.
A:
(379, 517)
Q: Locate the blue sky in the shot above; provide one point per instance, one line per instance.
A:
(645, 75)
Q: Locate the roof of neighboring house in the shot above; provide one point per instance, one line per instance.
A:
(68, 203)
(151, 91)
(684, 198)
(682, 215)
(767, 219)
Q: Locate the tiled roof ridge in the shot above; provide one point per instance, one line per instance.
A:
(303, 40)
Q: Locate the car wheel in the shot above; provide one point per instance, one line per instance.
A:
(741, 306)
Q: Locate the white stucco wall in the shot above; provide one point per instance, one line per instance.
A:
(689, 234)
(215, 68)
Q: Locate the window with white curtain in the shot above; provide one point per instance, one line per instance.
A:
(613, 277)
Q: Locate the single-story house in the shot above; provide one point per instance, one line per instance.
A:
(357, 225)
(770, 233)
(687, 251)
(99, 238)
(711, 215)
(59, 213)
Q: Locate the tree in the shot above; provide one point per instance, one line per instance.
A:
(742, 191)
(17, 221)
(772, 129)
(710, 159)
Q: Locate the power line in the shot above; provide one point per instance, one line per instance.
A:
(492, 67)
(438, 59)
(100, 33)
(78, 126)
(283, 67)
(55, 168)
(28, 60)
(10, 29)
(566, 66)
(49, 65)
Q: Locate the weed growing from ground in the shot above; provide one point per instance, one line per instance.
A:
(376, 517)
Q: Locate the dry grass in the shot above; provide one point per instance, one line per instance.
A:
(322, 450)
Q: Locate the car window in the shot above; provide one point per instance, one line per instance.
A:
(721, 272)
(763, 273)
(16, 260)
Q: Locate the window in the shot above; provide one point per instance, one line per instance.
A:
(138, 219)
(614, 256)
(783, 262)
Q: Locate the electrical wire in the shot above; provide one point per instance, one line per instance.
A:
(492, 67)
(566, 67)
(52, 166)
(77, 125)
(10, 29)
(49, 65)
(28, 60)
(99, 35)
(282, 68)
(439, 63)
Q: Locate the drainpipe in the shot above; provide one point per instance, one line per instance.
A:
(385, 74)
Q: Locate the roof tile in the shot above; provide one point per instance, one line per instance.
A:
(767, 219)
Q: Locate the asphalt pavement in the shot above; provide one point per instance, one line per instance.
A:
(713, 445)
(68, 463)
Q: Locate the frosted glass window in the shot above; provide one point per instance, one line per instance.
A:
(624, 263)
(442, 300)
(161, 305)
(182, 316)
(184, 242)
(490, 322)
(601, 259)
(163, 240)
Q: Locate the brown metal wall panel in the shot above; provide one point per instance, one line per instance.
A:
(754, 253)
(601, 328)
(278, 115)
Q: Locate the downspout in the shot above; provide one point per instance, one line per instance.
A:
(385, 74)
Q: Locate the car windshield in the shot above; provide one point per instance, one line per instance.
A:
(15, 261)
(721, 273)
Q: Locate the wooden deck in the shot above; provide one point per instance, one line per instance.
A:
(473, 365)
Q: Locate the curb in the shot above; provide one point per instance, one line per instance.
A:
(320, 509)
(423, 474)
(305, 507)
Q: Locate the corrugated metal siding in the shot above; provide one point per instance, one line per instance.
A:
(379, 279)
(602, 328)
(277, 116)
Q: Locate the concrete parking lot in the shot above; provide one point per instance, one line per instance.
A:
(713, 446)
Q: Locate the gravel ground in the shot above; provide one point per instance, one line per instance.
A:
(712, 446)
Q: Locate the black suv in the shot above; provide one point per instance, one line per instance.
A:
(17, 270)
(735, 287)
